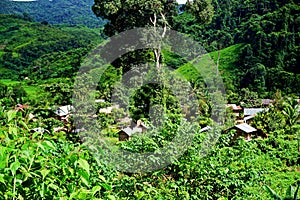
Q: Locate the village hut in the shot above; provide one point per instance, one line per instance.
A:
(127, 132)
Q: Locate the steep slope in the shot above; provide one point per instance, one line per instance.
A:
(228, 66)
(22, 42)
(54, 11)
(270, 59)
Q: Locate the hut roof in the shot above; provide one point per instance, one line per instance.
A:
(207, 128)
(267, 102)
(249, 117)
(253, 111)
(63, 110)
(245, 128)
(130, 131)
(234, 107)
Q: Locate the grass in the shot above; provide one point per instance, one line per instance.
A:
(228, 58)
(9, 82)
(199, 67)
(31, 90)
(207, 64)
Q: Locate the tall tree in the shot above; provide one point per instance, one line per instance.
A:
(156, 15)
(127, 14)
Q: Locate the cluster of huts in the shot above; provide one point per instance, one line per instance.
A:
(62, 114)
(244, 116)
(128, 127)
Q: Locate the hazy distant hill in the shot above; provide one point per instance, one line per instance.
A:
(54, 11)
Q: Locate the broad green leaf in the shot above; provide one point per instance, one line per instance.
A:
(106, 186)
(2, 179)
(111, 197)
(40, 145)
(272, 193)
(14, 167)
(140, 195)
(44, 172)
(11, 115)
(12, 130)
(83, 194)
(48, 144)
(84, 177)
(102, 178)
(9, 193)
(85, 181)
(71, 170)
(35, 134)
(3, 157)
(84, 165)
(95, 189)
(53, 186)
(24, 125)
(73, 195)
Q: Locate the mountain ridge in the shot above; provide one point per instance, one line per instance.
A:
(55, 12)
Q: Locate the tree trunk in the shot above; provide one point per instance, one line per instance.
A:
(218, 62)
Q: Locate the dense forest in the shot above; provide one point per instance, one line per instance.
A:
(27, 46)
(70, 12)
(47, 128)
(269, 31)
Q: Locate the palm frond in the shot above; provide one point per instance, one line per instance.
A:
(296, 192)
(273, 194)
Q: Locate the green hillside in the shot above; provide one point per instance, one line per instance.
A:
(55, 11)
(23, 42)
(228, 65)
(270, 59)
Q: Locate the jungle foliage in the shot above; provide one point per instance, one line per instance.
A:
(69, 12)
(44, 164)
(269, 31)
(256, 46)
(31, 48)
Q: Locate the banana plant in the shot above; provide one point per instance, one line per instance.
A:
(291, 113)
(291, 194)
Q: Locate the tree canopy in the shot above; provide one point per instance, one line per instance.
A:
(127, 14)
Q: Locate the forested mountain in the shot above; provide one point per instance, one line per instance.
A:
(54, 11)
(27, 46)
(269, 31)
